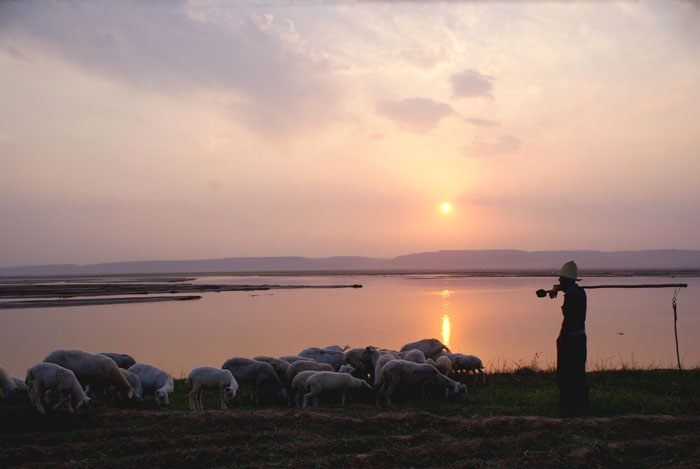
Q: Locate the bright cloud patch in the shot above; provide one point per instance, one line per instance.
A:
(415, 114)
(506, 144)
(472, 84)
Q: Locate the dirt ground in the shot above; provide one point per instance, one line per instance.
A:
(342, 437)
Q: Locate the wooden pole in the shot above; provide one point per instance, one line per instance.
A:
(648, 285)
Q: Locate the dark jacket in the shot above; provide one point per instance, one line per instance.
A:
(574, 310)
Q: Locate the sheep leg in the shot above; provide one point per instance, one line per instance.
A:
(306, 399)
(389, 391)
(192, 397)
(342, 398)
(223, 403)
(200, 404)
(37, 397)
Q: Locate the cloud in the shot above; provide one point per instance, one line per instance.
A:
(257, 65)
(471, 84)
(18, 55)
(506, 144)
(415, 114)
(481, 122)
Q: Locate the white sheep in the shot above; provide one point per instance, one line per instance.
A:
(94, 370)
(323, 381)
(443, 365)
(467, 364)
(381, 362)
(135, 383)
(121, 359)
(156, 381)
(431, 348)
(299, 385)
(7, 386)
(417, 378)
(414, 355)
(46, 377)
(208, 378)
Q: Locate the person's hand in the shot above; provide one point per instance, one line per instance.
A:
(553, 292)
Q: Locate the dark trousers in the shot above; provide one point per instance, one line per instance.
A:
(571, 372)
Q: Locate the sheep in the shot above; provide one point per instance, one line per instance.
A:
(299, 381)
(299, 366)
(93, 370)
(431, 348)
(444, 365)
(383, 360)
(332, 357)
(135, 383)
(324, 381)
(7, 386)
(364, 360)
(298, 385)
(280, 366)
(260, 376)
(337, 348)
(154, 380)
(121, 359)
(21, 384)
(414, 355)
(45, 377)
(467, 364)
(417, 378)
(293, 358)
(211, 379)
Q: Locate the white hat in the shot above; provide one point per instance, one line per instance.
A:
(569, 270)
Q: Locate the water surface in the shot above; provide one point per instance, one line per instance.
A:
(498, 319)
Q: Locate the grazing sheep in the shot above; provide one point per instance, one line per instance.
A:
(431, 348)
(293, 358)
(444, 365)
(383, 360)
(364, 360)
(333, 357)
(414, 355)
(93, 370)
(467, 364)
(135, 383)
(300, 366)
(121, 359)
(21, 384)
(324, 381)
(211, 379)
(280, 366)
(298, 385)
(337, 348)
(260, 376)
(346, 369)
(7, 386)
(156, 381)
(48, 377)
(417, 378)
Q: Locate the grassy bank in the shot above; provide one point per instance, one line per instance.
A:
(638, 418)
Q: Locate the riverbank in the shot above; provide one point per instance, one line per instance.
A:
(638, 418)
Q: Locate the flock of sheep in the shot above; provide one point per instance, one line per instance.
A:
(420, 369)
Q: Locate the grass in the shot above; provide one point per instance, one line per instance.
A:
(526, 390)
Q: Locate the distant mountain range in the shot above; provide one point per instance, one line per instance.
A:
(505, 259)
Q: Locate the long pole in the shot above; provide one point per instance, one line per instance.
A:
(647, 285)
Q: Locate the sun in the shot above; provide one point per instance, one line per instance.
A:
(446, 207)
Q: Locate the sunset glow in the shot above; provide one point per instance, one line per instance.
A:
(278, 128)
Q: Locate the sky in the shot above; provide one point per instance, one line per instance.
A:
(139, 130)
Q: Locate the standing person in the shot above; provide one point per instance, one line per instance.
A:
(571, 343)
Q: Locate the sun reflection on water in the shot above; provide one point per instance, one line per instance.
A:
(446, 326)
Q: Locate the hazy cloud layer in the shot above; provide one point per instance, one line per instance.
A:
(504, 145)
(415, 114)
(480, 122)
(257, 63)
(472, 84)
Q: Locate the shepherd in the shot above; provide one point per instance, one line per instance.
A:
(571, 343)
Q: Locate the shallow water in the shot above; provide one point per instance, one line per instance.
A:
(498, 319)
